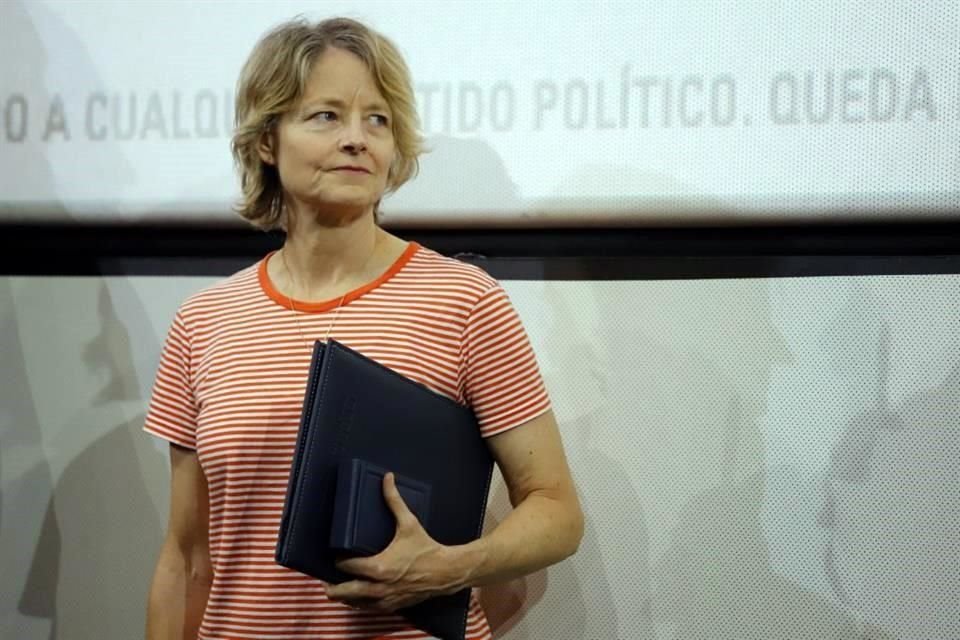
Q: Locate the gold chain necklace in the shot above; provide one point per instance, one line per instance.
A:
(296, 312)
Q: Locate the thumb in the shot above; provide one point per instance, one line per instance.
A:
(395, 501)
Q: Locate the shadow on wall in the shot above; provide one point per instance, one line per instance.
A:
(101, 521)
(455, 174)
(26, 478)
(891, 504)
(78, 526)
(602, 592)
(715, 578)
(25, 482)
(19, 41)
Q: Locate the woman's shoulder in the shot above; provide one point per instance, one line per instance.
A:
(438, 269)
(225, 292)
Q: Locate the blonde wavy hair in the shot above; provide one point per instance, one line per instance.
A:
(272, 82)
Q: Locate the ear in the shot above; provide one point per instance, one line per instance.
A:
(266, 146)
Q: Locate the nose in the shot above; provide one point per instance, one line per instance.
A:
(353, 139)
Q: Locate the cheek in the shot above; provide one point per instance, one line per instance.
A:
(386, 156)
(296, 170)
(289, 170)
(304, 150)
(387, 172)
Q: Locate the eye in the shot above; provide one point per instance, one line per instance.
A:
(379, 119)
(324, 116)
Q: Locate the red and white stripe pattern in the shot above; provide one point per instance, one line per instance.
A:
(230, 384)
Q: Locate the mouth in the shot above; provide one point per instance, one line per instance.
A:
(351, 169)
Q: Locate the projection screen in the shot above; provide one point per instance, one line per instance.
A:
(536, 113)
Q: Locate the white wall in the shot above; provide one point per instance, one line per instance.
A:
(758, 458)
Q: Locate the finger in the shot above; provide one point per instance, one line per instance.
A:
(395, 501)
(353, 590)
(364, 567)
(365, 604)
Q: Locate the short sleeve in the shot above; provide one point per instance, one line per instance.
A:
(501, 377)
(172, 413)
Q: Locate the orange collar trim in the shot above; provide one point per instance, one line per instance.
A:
(327, 305)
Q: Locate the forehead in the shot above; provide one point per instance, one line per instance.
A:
(340, 75)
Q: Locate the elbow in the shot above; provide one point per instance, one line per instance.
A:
(573, 531)
(568, 532)
(200, 572)
(576, 531)
(189, 559)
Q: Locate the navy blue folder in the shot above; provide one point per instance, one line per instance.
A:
(355, 409)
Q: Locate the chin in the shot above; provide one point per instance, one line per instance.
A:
(337, 207)
(342, 213)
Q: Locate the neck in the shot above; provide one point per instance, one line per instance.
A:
(326, 259)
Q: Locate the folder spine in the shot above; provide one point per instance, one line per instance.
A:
(343, 535)
(293, 488)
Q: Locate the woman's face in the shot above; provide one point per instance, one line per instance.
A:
(334, 149)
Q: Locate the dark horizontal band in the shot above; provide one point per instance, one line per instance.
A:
(552, 254)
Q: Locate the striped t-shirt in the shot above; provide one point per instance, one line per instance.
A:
(230, 385)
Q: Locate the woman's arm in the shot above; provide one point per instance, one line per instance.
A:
(544, 527)
(546, 524)
(181, 581)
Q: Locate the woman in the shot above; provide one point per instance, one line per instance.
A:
(326, 125)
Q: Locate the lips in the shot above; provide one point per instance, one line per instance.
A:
(351, 168)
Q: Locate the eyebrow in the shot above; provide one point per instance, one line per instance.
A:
(376, 105)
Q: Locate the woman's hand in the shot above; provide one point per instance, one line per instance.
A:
(411, 569)
(545, 526)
